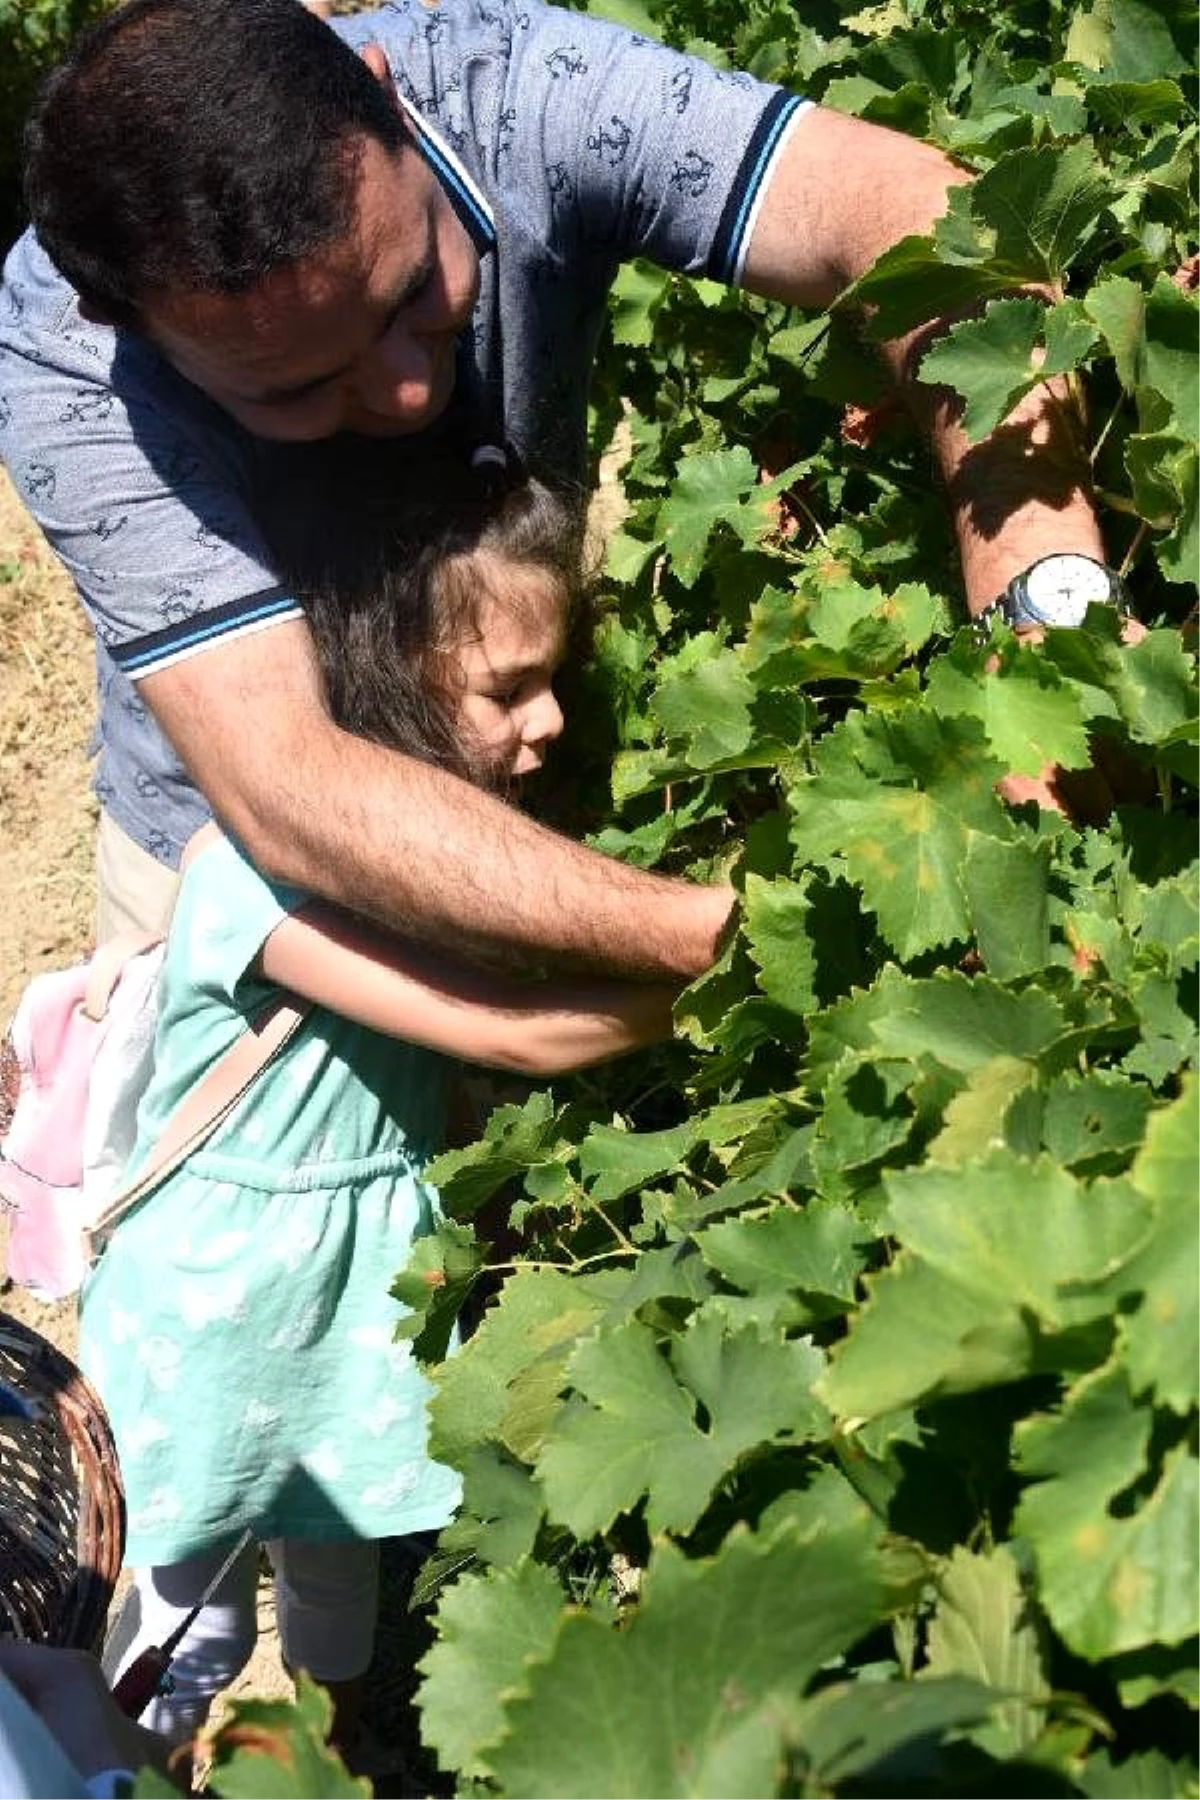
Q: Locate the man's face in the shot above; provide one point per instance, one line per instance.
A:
(360, 337)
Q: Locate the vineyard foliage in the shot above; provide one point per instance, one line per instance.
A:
(829, 1427)
(33, 35)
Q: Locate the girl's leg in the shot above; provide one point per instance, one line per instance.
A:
(326, 1597)
(216, 1647)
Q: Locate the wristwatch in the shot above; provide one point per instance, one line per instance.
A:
(1057, 590)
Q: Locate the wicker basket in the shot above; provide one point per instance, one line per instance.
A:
(62, 1506)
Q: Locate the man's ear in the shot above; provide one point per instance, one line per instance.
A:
(377, 62)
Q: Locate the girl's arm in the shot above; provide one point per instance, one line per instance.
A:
(407, 990)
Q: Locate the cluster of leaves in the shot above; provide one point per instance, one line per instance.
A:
(33, 36)
(263, 1749)
(832, 1427)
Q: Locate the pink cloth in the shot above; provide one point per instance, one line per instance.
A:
(41, 1167)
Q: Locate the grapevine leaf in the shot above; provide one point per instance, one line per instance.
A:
(1093, 1117)
(818, 1251)
(1026, 220)
(1111, 1579)
(906, 846)
(267, 1749)
(638, 1434)
(1125, 40)
(1143, 1675)
(709, 707)
(441, 1271)
(637, 296)
(848, 1730)
(1154, 461)
(845, 1032)
(1146, 1775)
(1026, 1233)
(1171, 364)
(1153, 683)
(614, 1161)
(1125, 103)
(502, 1508)
(717, 487)
(918, 1335)
(1118, 307)
(538, 1312)
(990, 1250)
(1168, 1032)
(1030, 714)
(676, 1704)
(982, 1628)
(777, 935)
(515, 1138)
(975, 1118)
(991, 362)
(965, 1021)
(1042, 206)
(489, 1629)
(1162, 1338)
(864, 1117)
(1007, 887)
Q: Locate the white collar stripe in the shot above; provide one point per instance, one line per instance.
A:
(467, 197)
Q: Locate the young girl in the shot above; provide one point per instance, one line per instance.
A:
(239, 1323)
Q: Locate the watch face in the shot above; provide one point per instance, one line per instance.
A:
(1059, 589)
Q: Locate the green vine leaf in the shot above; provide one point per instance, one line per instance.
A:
(680, 1703)
(489, 1631)
(993, 361)
(638, 1433)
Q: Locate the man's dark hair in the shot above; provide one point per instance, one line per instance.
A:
(383, 543)
(196, 145)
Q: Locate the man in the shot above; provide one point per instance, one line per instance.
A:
(257, 228)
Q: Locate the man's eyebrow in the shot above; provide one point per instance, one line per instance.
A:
(412, 284)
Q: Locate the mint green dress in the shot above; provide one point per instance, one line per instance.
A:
(238, 1325)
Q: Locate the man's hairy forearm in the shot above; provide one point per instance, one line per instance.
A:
(1021, 493)
(856, 189)
(403, 843)
(432, 856)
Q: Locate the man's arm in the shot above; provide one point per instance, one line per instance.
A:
(846, 190)
(401, 842)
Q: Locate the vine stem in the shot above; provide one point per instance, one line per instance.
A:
(625, 1243)
(1134, 546)
(1104, 431)
(567, 1268)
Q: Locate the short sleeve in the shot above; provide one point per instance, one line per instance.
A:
(141, 484)
(664, 156)
(225, 913)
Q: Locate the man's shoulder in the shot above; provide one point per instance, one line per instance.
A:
(454, 33)
(39, 313)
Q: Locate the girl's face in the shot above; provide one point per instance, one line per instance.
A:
(507, 707)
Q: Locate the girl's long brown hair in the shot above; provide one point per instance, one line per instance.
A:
(380, 542)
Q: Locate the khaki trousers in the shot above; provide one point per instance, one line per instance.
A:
(134, 891)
